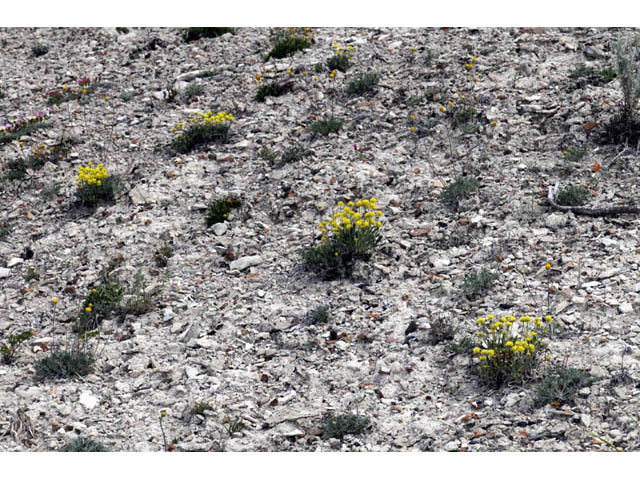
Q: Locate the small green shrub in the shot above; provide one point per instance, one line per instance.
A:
(127, 95)
(267, 154)
(22, 126)
(326, 126)
(340, 425)
(219, 211)
(31, 275)
(464, 345)
(233, 425)
(39, 49)
(341, 59)
(162, 255)
(320, 314)
(192, 90)
(294, 153)
(49, 192)
(64, 364)
(589, 75)
(5, 230)
(200, 408)
(461, 188)
(66, 93)
(363, 83)
(574, 154)
(349, 235)
(192, 34)
(140, 301)
(441, 331)
(202, 129)
(287, 46)
(9, 349)
(572, 196)
(95, 185)
(16, 169)
(81, 444)
(274, 88)
(562, 384)
(478, 281)
(509, 350)
(627, 51)
(98, 305)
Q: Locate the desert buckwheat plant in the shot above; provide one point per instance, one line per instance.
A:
(94, 184)
(508, 350)
(201, 129)
(348, 235)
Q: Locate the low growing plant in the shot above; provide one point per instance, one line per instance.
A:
(25, 125)
(461, 188)
(288, 43)
(64, 364)
(9, 349)
(509, 350)
(340, 425)
(561, 385)
(66, 93)
(192, 34)
(273, 88)
(98, 305)
(363, 83)
(162, 255)
(341, 59)
(39, 49)
(441, 331)
(320, 314)
(201, 129)
(95, 185)
(140, 301)
(572, 196)
(478, 281)
(574, 154)
(347, 236)
(326, 126)
(219, 211)
(200, 408)
(82, 444)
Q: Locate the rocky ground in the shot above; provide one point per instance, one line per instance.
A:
(230, 323)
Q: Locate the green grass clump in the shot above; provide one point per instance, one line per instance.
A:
(192, 34)
(338, 62)
(39, 49)
(589, 75)
(5, 230)
(326, 126)
(509, 350)
(201, 129)
(464, 345)
(441, 331)
(219, 211)
(363, 83)
(192, 90)
(320, 314)
(162, 255)
(9, 349)
(478, 281)
(140, 301)
(287, 46)
(574, 154)
(274, 88)
(81, 444)
(340, 425)
(98, 305)
(294, 153)
(461, 188)
(64, 364)
(200, 408)
(349, 235)
(561, 385)
(572, 196)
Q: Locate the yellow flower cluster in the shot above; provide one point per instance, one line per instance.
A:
(207, 118)
(338, 50)
(91, 175)
(470, 64)
(366, 216)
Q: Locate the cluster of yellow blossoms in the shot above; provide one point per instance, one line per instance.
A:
(206, 118)
(346, 51)
(499, 335)
(348, 220)
(91, 175)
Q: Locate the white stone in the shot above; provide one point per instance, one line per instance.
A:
(4, 272)
(219, 228)
(14, 261)
(626, 308)
(245, 262)
(88, 400)
(555, 220)
(191, 372)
